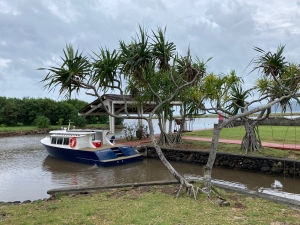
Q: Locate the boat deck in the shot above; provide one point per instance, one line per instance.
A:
(121, 158)
(103, 147)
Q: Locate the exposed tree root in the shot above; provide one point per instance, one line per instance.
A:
(189, 189)
(169, 139)
(251, 141)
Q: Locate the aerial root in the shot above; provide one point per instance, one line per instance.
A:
(189, 189)
(179, 191)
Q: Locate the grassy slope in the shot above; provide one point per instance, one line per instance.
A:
(149, 205)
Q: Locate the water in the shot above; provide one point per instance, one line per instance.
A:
(197, 124)
(27, 173)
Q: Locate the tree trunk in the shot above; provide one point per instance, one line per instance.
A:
(181, 179)
(166, 139)
(251, 141)
(211, 160)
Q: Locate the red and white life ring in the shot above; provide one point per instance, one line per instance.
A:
(72, 142)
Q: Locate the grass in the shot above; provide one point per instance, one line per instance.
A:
(276, 134)
(55, 127)
(235, 149)
(148, 205)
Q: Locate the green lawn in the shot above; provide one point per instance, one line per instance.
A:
(149, 205)
(277, 134)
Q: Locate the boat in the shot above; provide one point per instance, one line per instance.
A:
(96, 147)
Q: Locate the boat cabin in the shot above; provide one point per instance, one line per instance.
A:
(81, 138)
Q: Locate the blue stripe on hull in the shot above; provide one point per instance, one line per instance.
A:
(90, 157)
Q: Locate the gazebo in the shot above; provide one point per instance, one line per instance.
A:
(116, 105)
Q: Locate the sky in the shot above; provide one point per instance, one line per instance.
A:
(33, 34)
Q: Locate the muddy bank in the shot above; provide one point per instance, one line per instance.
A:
(23, 132)
(46, 131)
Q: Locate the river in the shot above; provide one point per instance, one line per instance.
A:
(27, 173)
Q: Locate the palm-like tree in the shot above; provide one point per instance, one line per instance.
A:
(136, 56)
(73, 70)
(163, 50)
(237, 99)
(106, 69)
(272, 64)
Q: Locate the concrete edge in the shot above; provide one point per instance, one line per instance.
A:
(95, 188)
(289, 202)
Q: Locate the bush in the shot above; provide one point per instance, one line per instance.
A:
(80, 121)
(119, 121)
(129, 131)
(60, 122)
(42, 122)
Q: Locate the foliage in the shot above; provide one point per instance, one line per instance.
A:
(79, 121)
(118, 121)
(75, 66)
(24, 111)
(60, 121)
(42, 122)
(129, 131)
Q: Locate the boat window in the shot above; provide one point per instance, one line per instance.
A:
(66, 141)
(59, 140)
(53, 140)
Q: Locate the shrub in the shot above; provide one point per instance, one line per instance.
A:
(129, 131)
(42, 122)
(80, 121)
(60, 121)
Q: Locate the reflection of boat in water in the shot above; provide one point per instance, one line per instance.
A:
(90, 147)
(57, 166)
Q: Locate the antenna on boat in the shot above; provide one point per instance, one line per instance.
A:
(69, 124)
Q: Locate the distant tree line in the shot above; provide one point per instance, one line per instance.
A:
(26, 111)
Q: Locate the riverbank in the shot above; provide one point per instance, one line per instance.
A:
(20, 131)
(23, 132)
(154, 204)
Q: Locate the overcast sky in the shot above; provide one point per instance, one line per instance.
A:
(33, 33)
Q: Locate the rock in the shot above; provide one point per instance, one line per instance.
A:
(293, 171)
(265, 168)
(247, 161)
(276, 169)
(244, 166)
(222, 202)
(73, 195)
(26, 201)
(140, 148)
(190, 158)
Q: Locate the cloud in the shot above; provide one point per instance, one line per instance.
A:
(34, 32)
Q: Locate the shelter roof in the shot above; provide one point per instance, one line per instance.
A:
(96, 108)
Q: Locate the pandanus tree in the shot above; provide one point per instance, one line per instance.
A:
(279, 84)
(278, 78)
(147, 65)
(238, 102)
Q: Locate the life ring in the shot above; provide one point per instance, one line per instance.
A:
(72, 142)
